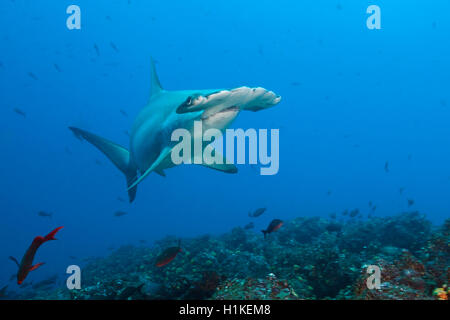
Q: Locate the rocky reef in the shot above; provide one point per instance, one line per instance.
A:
(307, 258)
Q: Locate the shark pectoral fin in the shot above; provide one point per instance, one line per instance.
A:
(118, 155)
(166, 151)
(36, 266)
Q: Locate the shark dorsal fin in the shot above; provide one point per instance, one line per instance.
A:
(155, 85)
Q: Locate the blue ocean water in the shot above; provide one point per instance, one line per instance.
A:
(353, 99)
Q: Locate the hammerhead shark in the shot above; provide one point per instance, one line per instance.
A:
(150, 136)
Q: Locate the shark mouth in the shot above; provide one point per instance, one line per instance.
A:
(244, 98)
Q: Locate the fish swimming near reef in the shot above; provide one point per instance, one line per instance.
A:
(3, 292)
(45, 283)
(249, 226)
(273, 226)
(45, 214)
(257, 212)
(150, 137)
(130, 291)
(120, 213)
(167, 256)
(26, 265)
(20, 112)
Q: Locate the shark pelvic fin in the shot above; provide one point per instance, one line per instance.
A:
(224, 166)
(164, 153)
(155, 85)
(117, 154)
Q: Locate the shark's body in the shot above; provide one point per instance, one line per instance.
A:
(150, 137)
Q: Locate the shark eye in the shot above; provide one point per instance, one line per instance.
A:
(188, 101)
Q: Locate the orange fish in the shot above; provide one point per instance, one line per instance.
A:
(26, 265)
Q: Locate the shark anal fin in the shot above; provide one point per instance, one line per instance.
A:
(164, 153)
(36, 266)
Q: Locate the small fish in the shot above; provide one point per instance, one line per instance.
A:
(257, 212)
(67, 150)
(45, 283)
(97, 50)
(123, 113)
(98, 162)
(142, 241)
(333, 215)
(121, 199)
(26, 265)
(45, 214)
(3, 291)
(120, 213)
(57, 67)
(329, 192)
(345, 212)
(20, 112)
(130, 291)
(273, 226)
(410, 202)
(400, 190)
(249, 226)
(73, 257)
(354, 213)
(113, 46)
(32, 75)
(295, 84)
(167, 256)
(386, 167)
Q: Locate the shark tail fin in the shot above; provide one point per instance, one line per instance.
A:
(118, 155)
(155, 86)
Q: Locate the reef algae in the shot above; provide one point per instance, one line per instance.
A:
(309, 258)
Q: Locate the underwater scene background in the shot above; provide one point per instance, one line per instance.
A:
(364, 175)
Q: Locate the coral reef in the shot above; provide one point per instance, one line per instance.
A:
(308, 258)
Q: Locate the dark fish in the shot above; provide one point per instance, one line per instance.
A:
(114, 46)
(32, 75)
(333, 215)
(26, 265)
(108, 18)
(386, 167)
(257, 212)
(123, 113)
(130, 291)
(45, 283)
(273, 226)
(142, 241)
(97, 49)
(295, 84)
(339, 6)
(73, 257)
(374, 208)
(401, 190)
(57, 67)
(410, 202)
(333, 227)
(45, 214)
(329, 192)
(354, 213)
(120, 213)
(249, 226)
(167, 256)
(3, 291)
(345, 212)
(20, 112)
(121, 199)
(98, 162)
